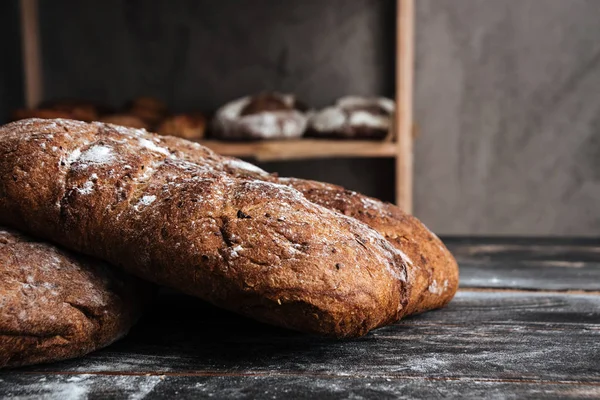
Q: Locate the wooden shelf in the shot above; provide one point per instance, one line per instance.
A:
(275, 150)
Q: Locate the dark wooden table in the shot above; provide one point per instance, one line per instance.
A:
(526, 323)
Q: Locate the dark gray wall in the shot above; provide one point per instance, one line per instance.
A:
(507, 91)
(203, 53)
(11, 77)
(508, 100)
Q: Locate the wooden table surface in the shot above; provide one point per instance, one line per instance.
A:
(525, 323)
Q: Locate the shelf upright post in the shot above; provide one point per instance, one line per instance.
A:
(405, 46)
(31, 53)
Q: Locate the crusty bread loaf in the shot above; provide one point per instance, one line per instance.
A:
(434, 270)
(353, 117)
(188, 126)
(56, 305)
(176, 213)
(266, 115)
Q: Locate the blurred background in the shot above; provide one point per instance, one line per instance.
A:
(506, 97)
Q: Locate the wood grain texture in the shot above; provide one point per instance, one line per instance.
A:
(480, 336)
(548, 264)
(485, 344)
(275, 387)
(405, 58)
(31, 49)
(274, 150)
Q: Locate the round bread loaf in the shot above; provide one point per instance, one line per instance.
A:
(56, 305)
(354, 117)
(264, 116)
(187, 126)
(148, 109)
(82, 110)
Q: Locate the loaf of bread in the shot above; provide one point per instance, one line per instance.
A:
(175, 213)
(149, 109)
(354, 117)
(188, 126)
(82, 110)
(264, 116)
(434, 269)
(56, 305)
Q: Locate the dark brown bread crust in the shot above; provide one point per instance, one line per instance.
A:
(433, 269)
(209, 227)
(188, 126)
(56, 305)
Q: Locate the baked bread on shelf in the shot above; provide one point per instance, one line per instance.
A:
(354, 117)
(190, 126)
(264, 116)
(149, 109)
(175, 213)
(81, 110)
(56, 305)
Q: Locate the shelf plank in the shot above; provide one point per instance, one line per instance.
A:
(272, 150)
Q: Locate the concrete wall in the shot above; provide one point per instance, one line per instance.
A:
(508, 101)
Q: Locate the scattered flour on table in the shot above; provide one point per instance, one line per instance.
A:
(79, 387)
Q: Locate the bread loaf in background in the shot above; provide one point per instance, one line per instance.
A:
(175, 213)
(267, 115)
(56, 305)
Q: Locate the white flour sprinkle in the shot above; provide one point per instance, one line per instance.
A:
(234, 250)
(88, 187)
(329, 119)
(404, 256)
(148, 144)
(239, 164)
(434, 288)
(98, 154)
(145, 201)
